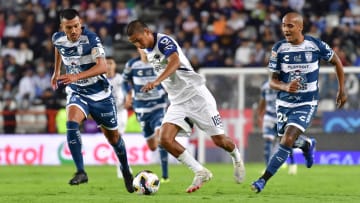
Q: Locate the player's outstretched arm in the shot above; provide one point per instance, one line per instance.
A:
(341, 96)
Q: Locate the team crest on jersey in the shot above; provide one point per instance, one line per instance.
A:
(308, 56)
(80, 49)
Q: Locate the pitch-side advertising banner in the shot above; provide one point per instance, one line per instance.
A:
(331, 157)
(53, 150)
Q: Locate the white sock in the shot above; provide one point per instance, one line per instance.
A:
(235, 155)
(190, 161)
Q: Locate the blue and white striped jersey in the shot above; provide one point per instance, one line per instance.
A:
(136, 74)
(80, 56)
(181, 85)
(269, 95)
(299, 62)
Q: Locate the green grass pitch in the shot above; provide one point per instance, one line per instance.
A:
(50, 184)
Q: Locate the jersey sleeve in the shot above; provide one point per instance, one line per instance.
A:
(167, 46)
(127, 77)
(326, 52)
(274, 65)
(97, 49)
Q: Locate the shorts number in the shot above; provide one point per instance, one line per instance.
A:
(281, 117)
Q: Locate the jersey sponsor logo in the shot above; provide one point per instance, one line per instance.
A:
(107, 114)
(168, 43)
(298, 66)
(286, 58)
(302, 118)
(298, 58)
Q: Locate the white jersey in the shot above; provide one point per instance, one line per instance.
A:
(181, 85)
(116, 83)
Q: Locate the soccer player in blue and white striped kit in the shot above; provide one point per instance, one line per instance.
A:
(88, 90)
(150, 107)
(294, 71)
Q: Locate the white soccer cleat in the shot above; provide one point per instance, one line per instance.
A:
(200, 178)
(292, 169)
(239, 172)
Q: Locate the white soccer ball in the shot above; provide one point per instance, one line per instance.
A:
(146, 183)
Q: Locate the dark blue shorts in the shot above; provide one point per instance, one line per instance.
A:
(299, 117)
(103, 111)
(150, 122)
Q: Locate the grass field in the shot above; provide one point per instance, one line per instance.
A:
(49, 184)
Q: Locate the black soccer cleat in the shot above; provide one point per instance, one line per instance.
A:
(128, 179)
(79, 178)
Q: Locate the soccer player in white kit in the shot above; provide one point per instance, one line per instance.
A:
(116, 81)
(190, 101)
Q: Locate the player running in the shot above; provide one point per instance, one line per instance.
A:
(190, 101)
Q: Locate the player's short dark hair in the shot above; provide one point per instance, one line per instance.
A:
(135, 27)
(68, 14)
(110, 58)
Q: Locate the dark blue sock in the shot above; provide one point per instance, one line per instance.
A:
(267, 151)
(120, 151)
(74, 143)
(164, 162)
(278, 159)
(291, 157)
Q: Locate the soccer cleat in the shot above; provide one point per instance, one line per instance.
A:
(164, 180)
(309, 155)
(239, 172)
(258, 185)
(200, 178)
(79, 178)
(128, 179)
(292, 169)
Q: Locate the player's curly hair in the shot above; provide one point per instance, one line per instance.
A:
(135, 26)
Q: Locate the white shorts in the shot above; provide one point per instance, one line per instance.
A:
(122, 116)
(200, 110)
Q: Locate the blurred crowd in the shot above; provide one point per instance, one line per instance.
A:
(212, 33)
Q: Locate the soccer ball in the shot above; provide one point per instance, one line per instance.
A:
(146, 183)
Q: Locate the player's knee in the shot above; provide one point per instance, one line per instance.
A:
(112, 137)
(152, 147)
(218, 140)
(165, 141)
(72, 125)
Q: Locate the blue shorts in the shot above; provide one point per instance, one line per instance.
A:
(103, 111)
(299, 117)
(150, 122)
(270, 132)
